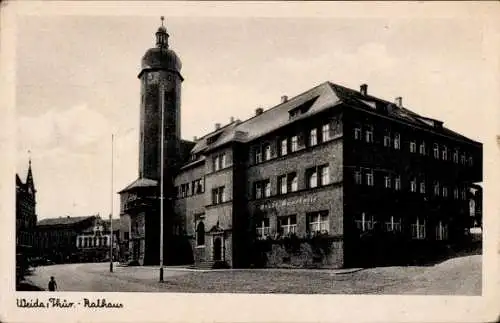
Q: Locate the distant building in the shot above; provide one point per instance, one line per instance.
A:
(74, 239)
(25, 218)
(94, 242)
(305, 183)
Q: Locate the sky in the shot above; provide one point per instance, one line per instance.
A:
(76, 83)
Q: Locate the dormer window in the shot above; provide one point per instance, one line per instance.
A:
(301, 109)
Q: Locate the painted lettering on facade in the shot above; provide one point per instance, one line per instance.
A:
(286, 203)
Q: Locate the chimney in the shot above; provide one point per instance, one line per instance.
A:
(284, 98)
(217, 126)
(259, 111)
(231, 120)
(363, 89)
(195, 138)
(399, 102)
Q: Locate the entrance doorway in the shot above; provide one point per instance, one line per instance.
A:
(217, 248)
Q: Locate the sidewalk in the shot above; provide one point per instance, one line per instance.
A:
(340, 271)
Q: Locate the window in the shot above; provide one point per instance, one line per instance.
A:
(397, 141)
(287, 224)
(455, 193)
(200, 234)
(393, 225)
(464, 194)
(455, 156)
(365, 223)
(313, 137)
(444, 153)
(325, 175)
(387, 139)
(422, 148)
(445, 191)
(413, 185)
(312, 178)
(106, 241)
(282, 184)
(325, 133)
(471, 162)
(397, 183)
(462, 159)
(441, 231)
(80, 242)
(369, 178)
(263, 229)
(126, 236)
(436, 188)
(258, 155)
(422, 187)
(295, 144)
(218, 195)
(267, 152)
(262, 189)
(387, 181)
(418, 229)
(284, 147)
(413, 147)
(293, 182)
(219, 162)
(369, 134)
(318, 222)
(357, 133)
(357, 177)
(435, 149)
(198, 186)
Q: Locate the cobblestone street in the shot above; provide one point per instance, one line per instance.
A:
(457, 276)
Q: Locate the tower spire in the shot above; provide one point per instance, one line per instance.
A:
(29, 178)
(162, 35)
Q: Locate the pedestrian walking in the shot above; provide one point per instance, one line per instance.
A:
(52, 284)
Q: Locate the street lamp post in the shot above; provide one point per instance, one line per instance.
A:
(162, 100)
(111, 214)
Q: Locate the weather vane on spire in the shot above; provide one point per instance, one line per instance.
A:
(162, 18)
(29, 157)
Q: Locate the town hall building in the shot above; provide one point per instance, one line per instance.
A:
(301, 184)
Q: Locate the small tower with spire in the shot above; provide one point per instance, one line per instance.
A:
(30, 184)
(162, 35)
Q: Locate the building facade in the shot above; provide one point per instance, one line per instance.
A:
(25, 220)
(76, 239)
(324, 179)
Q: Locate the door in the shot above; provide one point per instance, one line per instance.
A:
(217, 248)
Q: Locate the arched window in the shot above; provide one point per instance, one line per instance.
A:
(200, 234)
(106, 241)
(95, 241)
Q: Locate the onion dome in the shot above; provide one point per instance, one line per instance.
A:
(161, 57)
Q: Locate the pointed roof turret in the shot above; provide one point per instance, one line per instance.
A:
(30, 184)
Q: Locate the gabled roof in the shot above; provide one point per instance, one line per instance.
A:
(140, 183)
(64, 221)
(313, 101)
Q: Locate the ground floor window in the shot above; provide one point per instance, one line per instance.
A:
(418, 229)
(263, 228)
(318, 222)
(365, 222)
(393, 225)
(287, 224)
(441, 231)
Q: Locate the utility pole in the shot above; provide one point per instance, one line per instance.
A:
(111, 214)
(162, 107)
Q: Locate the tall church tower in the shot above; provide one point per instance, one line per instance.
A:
(160, 90)
(161, 81)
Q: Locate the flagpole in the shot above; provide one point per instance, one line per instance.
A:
(111, 214)
(162, 100)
